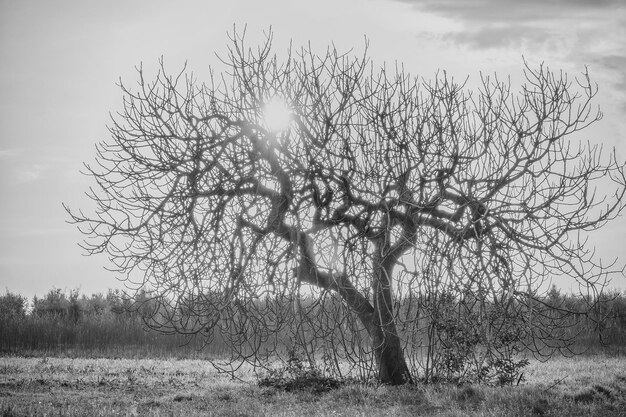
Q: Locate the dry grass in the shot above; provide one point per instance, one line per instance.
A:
(575, 372)
(105, 387)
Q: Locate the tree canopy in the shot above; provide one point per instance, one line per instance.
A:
(316, 201)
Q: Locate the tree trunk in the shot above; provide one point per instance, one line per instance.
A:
(392, 367)
(377, 318)
(379, 322)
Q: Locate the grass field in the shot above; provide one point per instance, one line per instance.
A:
(581, 386)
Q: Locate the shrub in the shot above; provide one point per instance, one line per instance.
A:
(471, 344)
(295, 375)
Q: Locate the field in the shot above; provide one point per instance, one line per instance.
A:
(581, 386)
(91, 356)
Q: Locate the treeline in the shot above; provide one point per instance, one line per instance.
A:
(112, 325)
(602, 327)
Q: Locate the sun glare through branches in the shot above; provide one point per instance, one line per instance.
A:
(277, 115)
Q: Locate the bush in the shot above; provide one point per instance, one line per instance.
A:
(295, 375)
(472, 345)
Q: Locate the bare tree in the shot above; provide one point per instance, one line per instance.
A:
(379, 188)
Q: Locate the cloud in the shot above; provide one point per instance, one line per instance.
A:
(31, 172)
(614, 67)
(616, 63)
(512, 23)
(33, 163)
(18, 165)
(9, 153)
(513, 10)
(503, 36)
(567, 34)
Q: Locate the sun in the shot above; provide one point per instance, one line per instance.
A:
(277, 115)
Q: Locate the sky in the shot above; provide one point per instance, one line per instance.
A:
(60, 62)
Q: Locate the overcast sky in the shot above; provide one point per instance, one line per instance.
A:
(60, 61)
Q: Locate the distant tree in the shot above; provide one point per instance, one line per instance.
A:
(96, 305)
(117, 303)
(12, 306)
(57, 303)
(320, 178)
